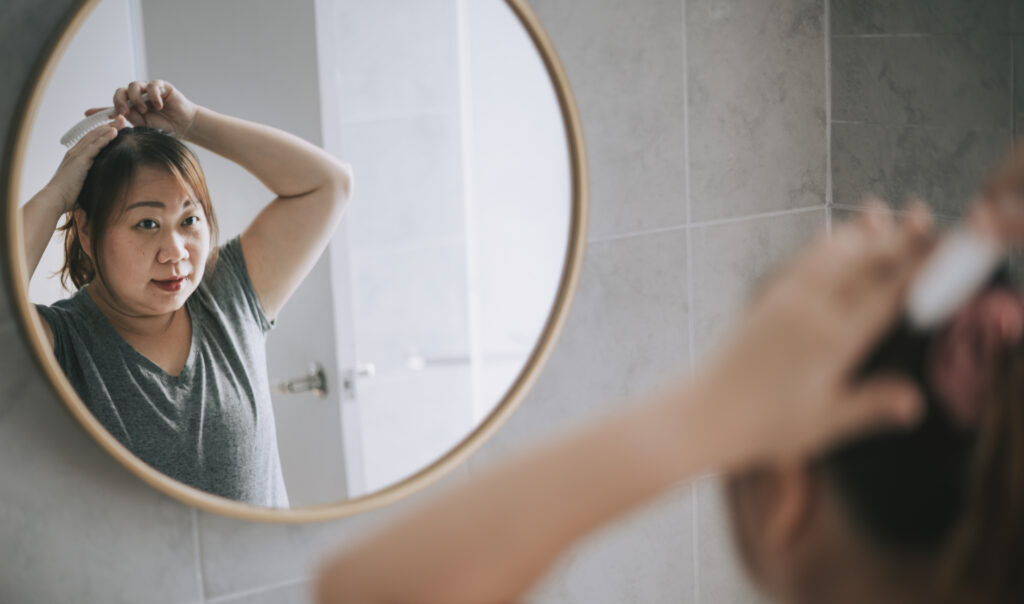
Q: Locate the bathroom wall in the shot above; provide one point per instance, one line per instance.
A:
(921, 98)
(708, 126)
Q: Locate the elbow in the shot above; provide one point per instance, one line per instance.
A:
(340, 181)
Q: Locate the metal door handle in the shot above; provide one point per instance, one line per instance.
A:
(315, 381)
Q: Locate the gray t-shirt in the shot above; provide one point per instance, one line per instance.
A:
(211, 426)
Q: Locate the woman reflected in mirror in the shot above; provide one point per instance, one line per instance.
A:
(164, 335)
(777, 410)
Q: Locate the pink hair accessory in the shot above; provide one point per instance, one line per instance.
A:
(965, 353)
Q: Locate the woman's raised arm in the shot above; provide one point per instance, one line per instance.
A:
(286, 238)
(780, 387)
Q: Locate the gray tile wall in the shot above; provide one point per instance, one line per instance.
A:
(706, 125)
(921, 98)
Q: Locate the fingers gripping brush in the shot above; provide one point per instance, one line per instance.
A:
(100, 118)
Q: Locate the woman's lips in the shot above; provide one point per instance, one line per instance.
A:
(171, 285)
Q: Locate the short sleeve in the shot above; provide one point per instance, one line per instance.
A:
(58, 320)
(231, 286)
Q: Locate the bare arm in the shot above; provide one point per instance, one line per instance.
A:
(492, 538)
(286, 238)
(39, 217)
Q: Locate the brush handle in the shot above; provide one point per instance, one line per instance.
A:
(961, 265)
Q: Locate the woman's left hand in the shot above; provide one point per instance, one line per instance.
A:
(167, 108)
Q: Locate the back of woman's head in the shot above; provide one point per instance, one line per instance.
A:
(108, 182)
(948, 495)
(952, 489)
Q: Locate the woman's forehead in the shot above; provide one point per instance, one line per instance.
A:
(158, 188)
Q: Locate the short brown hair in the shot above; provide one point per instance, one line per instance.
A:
(112, 172)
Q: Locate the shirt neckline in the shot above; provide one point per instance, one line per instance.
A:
(129, 350)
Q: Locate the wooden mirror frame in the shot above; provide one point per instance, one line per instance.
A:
(14, 258)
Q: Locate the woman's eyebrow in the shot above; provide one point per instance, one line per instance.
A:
(156, 204)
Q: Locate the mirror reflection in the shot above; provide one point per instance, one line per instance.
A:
(378, 245)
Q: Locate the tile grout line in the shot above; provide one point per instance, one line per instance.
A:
(257, 590)
(694, 537)
(911, 126)
(706, 223)
(895, 211)
(198, 555)
(913, 35)
(828, 108)
(775, 214)
(828, 119)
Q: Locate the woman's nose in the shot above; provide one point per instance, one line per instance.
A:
(172, 249)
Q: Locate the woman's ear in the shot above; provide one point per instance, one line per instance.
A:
(84, 234)
(789, 506)
(772, 513)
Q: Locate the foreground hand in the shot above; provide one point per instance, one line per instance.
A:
(67, 182)
(783, 383)
(167, 109)
(999, 207)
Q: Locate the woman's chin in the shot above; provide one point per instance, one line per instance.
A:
(161, 300)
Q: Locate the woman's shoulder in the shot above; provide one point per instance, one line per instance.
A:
(72, 311)
(226, 287)
(73, 322)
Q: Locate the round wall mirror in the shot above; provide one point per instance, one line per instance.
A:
(443, 290)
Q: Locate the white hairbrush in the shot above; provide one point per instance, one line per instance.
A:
(962, 264)
(100, 118)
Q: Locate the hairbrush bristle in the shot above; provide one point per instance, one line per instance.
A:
(86, 126)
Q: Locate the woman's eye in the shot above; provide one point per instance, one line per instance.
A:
(190, 221)
(147, 224)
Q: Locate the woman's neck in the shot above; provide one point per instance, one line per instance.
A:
(858, 579)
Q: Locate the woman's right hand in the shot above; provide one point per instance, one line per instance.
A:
(67, 182)
(783, 387)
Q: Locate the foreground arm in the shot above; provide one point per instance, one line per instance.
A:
(492, 538)
(286, 238)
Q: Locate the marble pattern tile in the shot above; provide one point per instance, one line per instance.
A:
(624, 61)
(859, 17)
(720, 575)
(273, 554)
(756, 106)
(730, 258)
(14, 386)
(626, 333)
(76, 525)
(883, 80)
(646, 556)
(944, 166)
(1017, 16)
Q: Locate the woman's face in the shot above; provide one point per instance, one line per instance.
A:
(154, 252)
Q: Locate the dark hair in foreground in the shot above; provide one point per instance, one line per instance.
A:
(943, 488)
(940, 496)
(113, 172)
